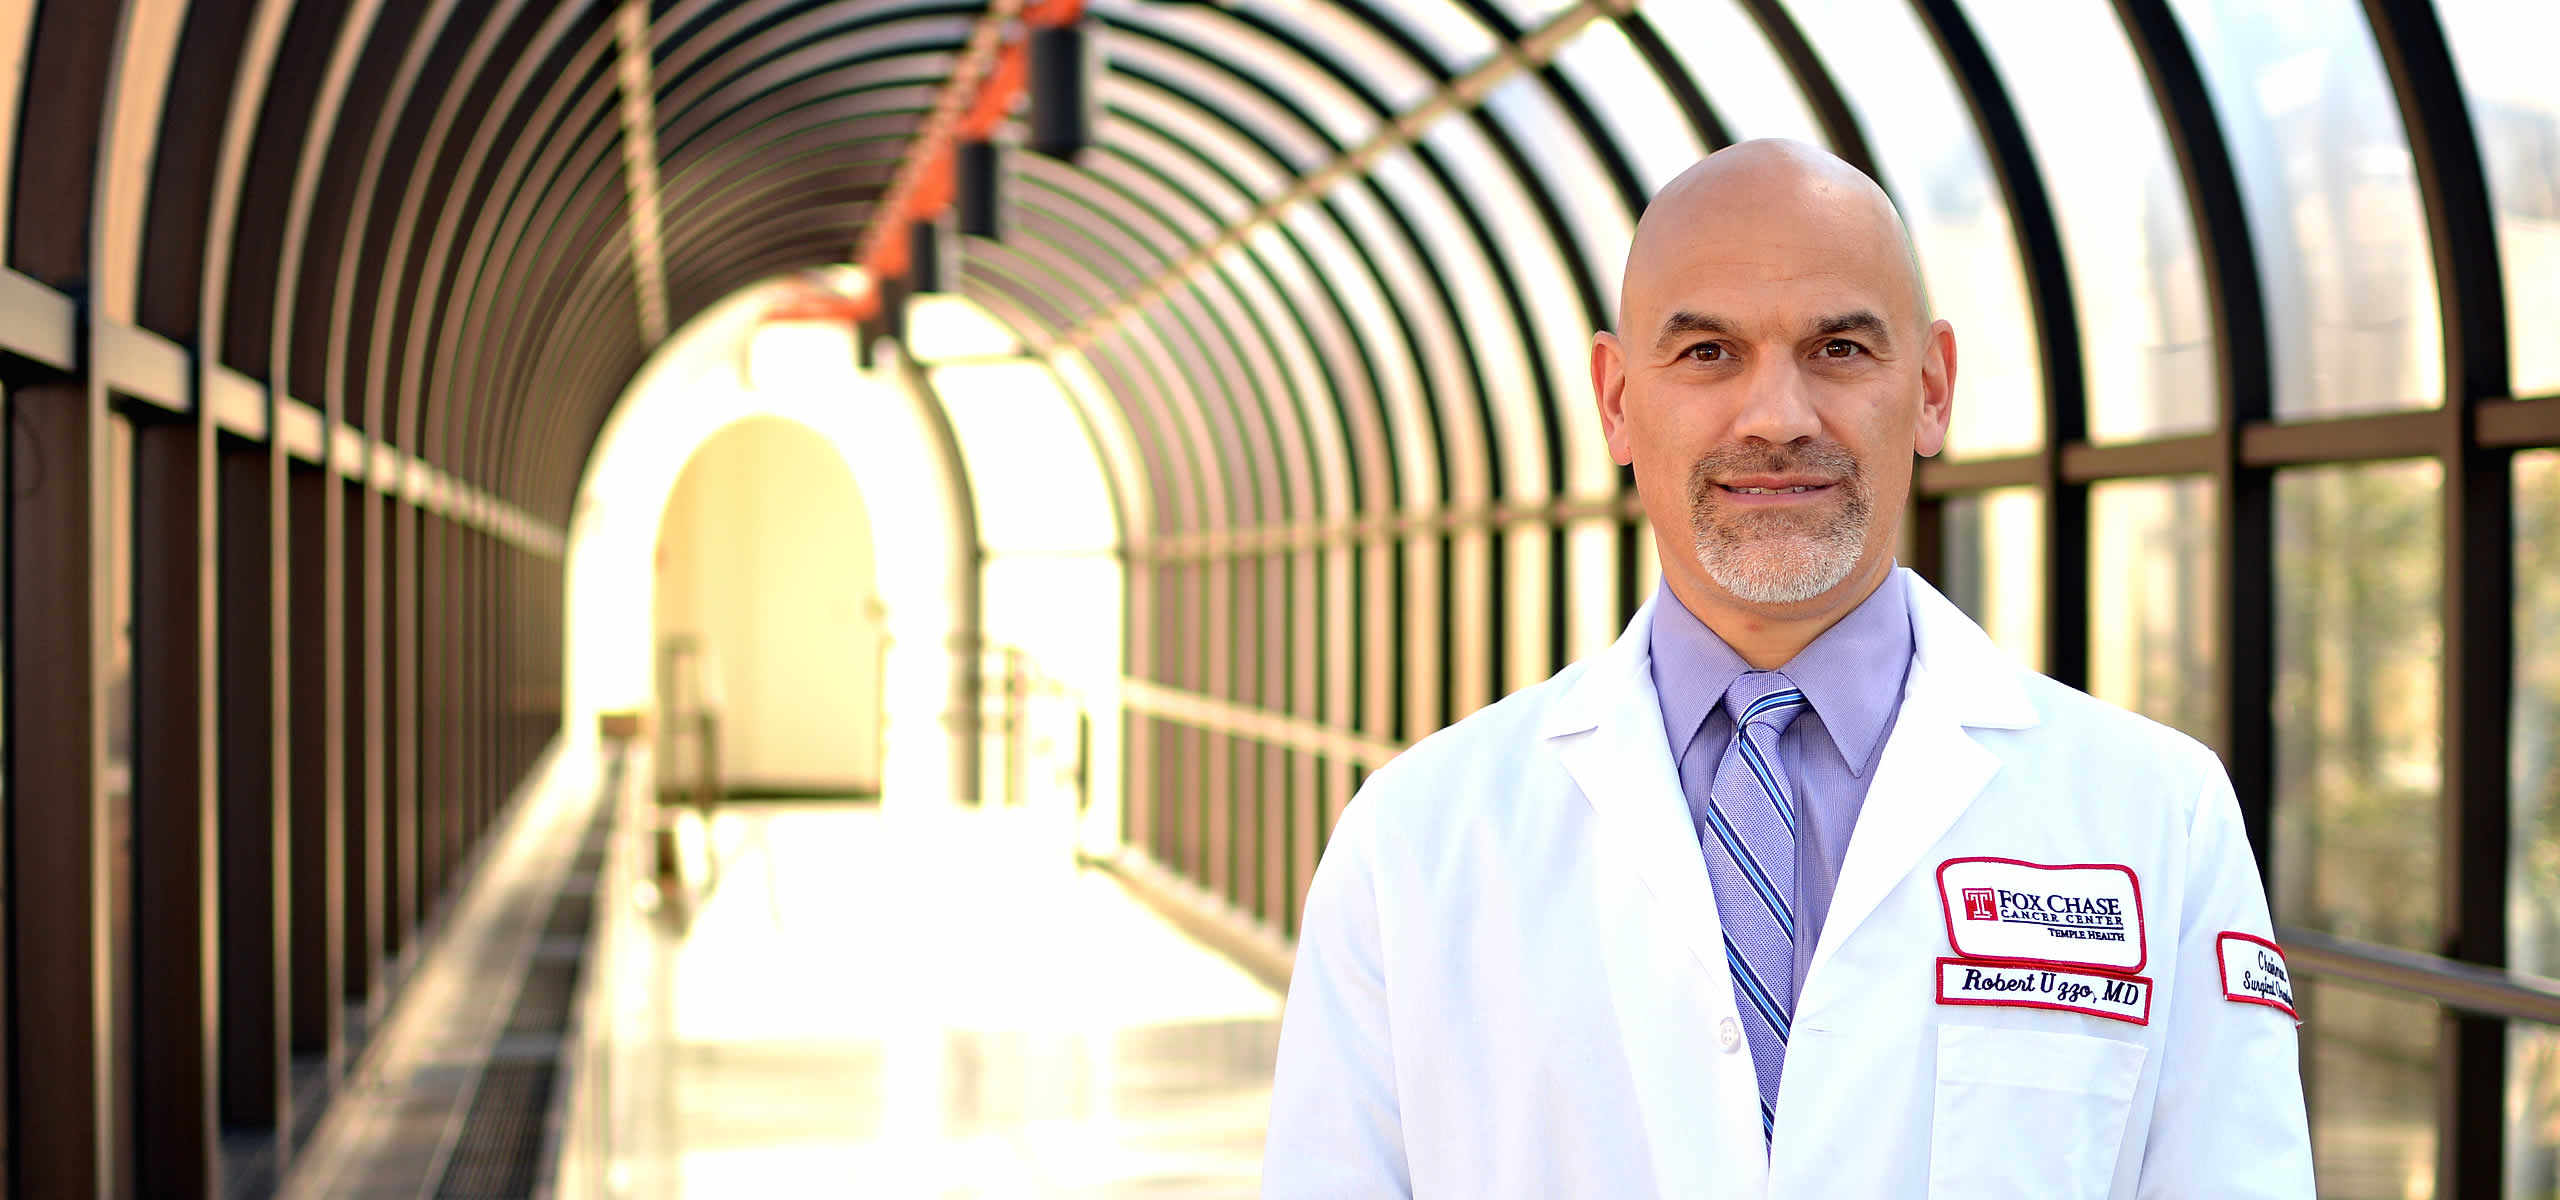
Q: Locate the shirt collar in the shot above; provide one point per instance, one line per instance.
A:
(1852, 674)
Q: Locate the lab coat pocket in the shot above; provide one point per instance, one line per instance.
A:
(2038, 1112)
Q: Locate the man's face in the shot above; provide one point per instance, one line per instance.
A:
(1770, 380)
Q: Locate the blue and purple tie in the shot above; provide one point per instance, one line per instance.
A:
(1751, 858)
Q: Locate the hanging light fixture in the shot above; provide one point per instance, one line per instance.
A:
(978, 161)
(1063, 60)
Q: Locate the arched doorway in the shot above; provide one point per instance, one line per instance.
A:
(768, 601)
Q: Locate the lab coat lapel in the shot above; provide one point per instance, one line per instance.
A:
(1932, 768)
(1657, 911)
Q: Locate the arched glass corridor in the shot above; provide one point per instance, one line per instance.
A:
(1212, 384)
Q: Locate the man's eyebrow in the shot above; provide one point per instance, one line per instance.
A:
(1683, 323)
(1861, 322)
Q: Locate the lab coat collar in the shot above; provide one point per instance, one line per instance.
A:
(1606, 728)
(1932, 766)
(1975, 678)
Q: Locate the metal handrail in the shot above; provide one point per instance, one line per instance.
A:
(2488, 991)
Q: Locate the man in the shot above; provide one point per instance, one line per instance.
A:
(1802, 888)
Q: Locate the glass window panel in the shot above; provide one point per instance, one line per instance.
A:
(2126, 229)
(2533, 923)
(1730, 62)
(2358, 642)
(1933, 163)
(1355, 45)
(2503, 52)
(1205, 134)
(2152, 630)
(1644, 123)
(1458, 38)
(1526, 15)
(2369, 1075)
(2333, 202)
(1560, 328)
(1994, 570)
(1510, 393)
(1241, 49)
(1569, 169)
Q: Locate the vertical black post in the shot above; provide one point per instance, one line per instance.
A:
(365, 858)
(2057, 326)
(317, 842)
(176, 825)
(60, 1087)
(256, 810)
(2479, 578)
(435, 808)
(406, 845)
(64, 1092)
(2244, 394)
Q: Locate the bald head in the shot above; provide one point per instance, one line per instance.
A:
(1773, 372)
(1777, 207)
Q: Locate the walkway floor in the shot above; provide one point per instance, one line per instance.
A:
(890, 1004)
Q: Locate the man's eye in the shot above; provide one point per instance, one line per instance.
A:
(1842, 348)
(1705, 352)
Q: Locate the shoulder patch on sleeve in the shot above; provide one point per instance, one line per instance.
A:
(2253, 972)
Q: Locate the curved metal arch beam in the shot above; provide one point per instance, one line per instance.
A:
(591, 211)
(1221, 353)
(722, 142)
(1352, 83)
(505, 86)
(565, 164)
(694, 33)
(1173, 412)
(1136, 361)
(335, 141)
(461, 258)
(1106, 429)
(785, 59)
(401, 114)
(566, 235)
(1232, 88)
(1147, 160)
(1821, 92)
(1002, 275)
(1454, 390)
(366, 247)
(255, 335)
(818, 153)
(1141, 174)
(1712, 129)
(218, 60)
(2056, 320)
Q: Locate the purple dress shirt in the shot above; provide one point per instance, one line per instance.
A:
(1853, 675)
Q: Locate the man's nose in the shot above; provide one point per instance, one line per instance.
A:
(1776, 405)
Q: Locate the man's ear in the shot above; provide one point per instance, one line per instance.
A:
(1937, 390)
(1609, 388)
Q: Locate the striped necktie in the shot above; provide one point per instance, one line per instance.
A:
(1751, 859)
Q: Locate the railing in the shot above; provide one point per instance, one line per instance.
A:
(1037, 729)
(2488, 991)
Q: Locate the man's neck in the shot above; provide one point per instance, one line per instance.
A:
(1769, 638)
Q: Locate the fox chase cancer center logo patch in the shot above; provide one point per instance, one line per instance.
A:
(2001, 909)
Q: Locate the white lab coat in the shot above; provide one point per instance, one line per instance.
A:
(1510, 977)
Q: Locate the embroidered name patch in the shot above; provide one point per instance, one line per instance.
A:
(2117, 997)
(2253, 972)
(2084, 915)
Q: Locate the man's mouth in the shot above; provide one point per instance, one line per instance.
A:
(1759, 491)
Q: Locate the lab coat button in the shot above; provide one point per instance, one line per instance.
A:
(1729, 1034)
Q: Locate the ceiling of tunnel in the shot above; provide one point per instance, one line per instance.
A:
(1327, 260)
